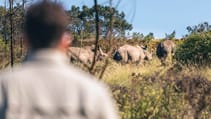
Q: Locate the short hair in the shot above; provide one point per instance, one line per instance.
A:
(44, 24)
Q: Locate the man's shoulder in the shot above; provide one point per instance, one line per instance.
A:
(11, 73)
(14, 70)
(66, 74)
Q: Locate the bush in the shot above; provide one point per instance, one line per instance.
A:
(195, 50)
(155, 98)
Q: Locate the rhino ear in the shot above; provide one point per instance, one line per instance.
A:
(144, 47)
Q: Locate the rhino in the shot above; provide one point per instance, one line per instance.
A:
(128, 53)
(85, 54)
(165, 49)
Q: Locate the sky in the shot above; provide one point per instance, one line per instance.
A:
(157, 16)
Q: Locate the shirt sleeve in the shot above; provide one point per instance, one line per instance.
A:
(3, 99)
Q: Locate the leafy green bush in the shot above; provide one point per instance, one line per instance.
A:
(195, 50)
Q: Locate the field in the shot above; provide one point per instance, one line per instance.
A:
(151, 90)
(154, 91)
(177, 89)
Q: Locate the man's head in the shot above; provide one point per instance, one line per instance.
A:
(44, 25)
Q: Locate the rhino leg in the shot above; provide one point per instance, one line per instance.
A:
(167, 59)
(138, 61)
(170, 58)
(125, 57)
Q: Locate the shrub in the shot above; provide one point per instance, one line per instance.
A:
(155, 98)
(195, 50)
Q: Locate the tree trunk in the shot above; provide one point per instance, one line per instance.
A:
(11, 32)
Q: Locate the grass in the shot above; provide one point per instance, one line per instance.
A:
(158, 92)
(120, 74)
(155, 91)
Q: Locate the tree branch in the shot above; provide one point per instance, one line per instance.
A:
(97, 36)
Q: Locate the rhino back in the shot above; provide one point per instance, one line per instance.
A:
(80, 53)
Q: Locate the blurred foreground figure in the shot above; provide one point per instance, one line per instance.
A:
(45, 86)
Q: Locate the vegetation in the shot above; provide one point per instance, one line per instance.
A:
(200, 28)
(195, 50)
(82, 21)
(147, 91)
(153, 91)
(171, 35)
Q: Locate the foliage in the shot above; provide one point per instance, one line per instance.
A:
(82, 21)
(147, 100)
(137, 36)
(200, 28)
(156, 98)
(171, 35)
(4, 50)
(195, 50)
(149, 37)
(149, 91)
(17, 17)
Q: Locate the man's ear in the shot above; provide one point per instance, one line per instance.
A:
(65, 41)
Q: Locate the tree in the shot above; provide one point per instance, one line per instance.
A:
(11, 24)
(4, 26)
(171, 35)
(200, 28)
(137, 36)
(149, 37)
(75, 22)
(82, 21)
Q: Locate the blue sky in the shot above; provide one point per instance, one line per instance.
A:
(158, 16)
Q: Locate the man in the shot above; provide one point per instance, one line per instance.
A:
(45, 86)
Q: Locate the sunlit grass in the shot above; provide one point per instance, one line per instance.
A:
(117, 73)
(155, 91)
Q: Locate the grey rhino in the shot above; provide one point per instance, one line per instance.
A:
(165, 49)
(135, 54)
(85, 54)
(81, 54)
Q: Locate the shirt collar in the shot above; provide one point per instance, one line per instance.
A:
(47, 55)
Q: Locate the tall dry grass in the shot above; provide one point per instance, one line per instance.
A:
(154, 91)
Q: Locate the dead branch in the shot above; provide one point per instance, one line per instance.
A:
(97, 36)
